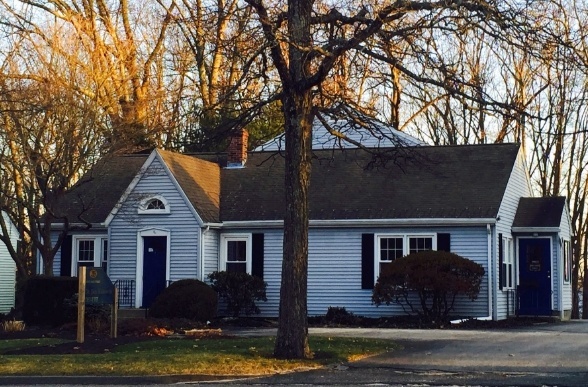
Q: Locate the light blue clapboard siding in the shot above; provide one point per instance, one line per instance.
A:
(210, 240)
(7, 271)
(518, 186)
(334, 272)
(180, 222)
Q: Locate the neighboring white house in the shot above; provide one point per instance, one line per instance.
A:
(165, 216)
(7, 270)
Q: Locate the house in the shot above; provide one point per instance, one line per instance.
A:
(158, 217)
(7, 269)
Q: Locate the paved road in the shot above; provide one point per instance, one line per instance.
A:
(548, 355)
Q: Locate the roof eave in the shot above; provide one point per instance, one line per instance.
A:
(536, 229)
(317, 223)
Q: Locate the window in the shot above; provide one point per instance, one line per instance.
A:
(236, 253)
(154, 205)
(567, 261)
(390, 247)
(508, 281)
(90, 251)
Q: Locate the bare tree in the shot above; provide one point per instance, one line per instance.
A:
(304, 54)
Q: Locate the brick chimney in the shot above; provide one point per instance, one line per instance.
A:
(237, 152)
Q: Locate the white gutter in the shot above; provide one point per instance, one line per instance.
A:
(535, 229)
(366, 222)
(201, 253)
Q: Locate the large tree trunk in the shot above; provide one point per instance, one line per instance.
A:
(292, 337)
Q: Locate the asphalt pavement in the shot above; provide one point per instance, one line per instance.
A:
(541, 355)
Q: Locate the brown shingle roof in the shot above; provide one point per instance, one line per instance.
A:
(92, 199)
(428, 182)
(539, 212)
(200, 181)
(432, 182)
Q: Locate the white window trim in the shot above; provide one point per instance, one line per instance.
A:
(405, 246)
(98, 240)
(142, 209)
(224, 239)
(566, 243)
(509, 258)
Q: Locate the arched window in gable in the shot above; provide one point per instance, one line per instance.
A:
(154, 205)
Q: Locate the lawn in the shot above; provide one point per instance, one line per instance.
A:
(214, 356)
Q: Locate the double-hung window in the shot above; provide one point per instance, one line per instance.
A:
(90, 251)
(393, 246)
(236, 253)
(508, 276)
(567, 261)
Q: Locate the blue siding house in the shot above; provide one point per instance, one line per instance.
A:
(161, 216)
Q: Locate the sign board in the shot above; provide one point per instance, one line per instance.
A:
(99, 288)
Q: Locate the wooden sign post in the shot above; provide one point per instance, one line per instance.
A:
(81, 303)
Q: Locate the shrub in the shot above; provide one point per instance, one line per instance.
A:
(44, 299)
(188, 298)
(340, 316)
(437, 278)
(239, 291)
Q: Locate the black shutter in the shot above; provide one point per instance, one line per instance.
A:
(443, 242)
(367, 261)
(257, 255)
(65, 270)
(500, 263)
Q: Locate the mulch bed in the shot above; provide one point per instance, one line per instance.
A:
(137, 331)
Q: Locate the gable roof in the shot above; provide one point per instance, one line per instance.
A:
(94, 196)
(457, 182)
(542, 212)
(423, 182)
(200, 181)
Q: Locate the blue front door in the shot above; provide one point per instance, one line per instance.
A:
(535, 276)
(154, 267)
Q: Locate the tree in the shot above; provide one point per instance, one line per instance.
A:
(306, 43)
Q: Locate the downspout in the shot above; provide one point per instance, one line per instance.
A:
(490, 271)
(201, 251)
(560, 279)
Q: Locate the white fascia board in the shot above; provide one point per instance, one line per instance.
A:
(536, 229)
(423, 222)
(83, 226)
(179, 188)
(130, 188)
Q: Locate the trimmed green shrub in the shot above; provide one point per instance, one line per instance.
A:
(44, 299)
(427, 283)
(188, 298)
(239, 290)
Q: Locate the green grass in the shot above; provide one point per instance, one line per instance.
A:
(12, 345)
(226, 356)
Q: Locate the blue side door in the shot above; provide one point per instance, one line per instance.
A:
(535, 276)
(154, 267)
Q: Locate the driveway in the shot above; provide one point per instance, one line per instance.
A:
(547, 354)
